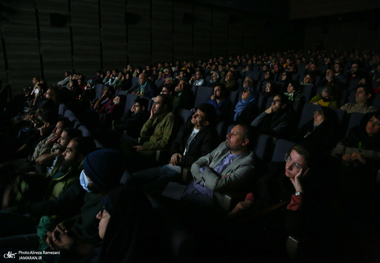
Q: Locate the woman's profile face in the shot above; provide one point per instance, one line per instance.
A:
(318, 118)
(104, 218)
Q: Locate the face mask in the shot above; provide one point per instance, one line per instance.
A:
(84, 181)
(325, 100)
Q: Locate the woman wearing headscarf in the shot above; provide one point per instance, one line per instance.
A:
(294, 92)
(320, 130)
(245, 110)
(360, 150)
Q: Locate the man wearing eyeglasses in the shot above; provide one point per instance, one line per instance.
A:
(275, 120)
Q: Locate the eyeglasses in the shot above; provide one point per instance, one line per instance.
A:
(276, 101)
(289, 160)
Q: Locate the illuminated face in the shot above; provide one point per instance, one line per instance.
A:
(373, 126)
(180, 86)
(360, 96)
(290, 88)
(142, 79)
(234, 140)
(58, 128)
(294, 163)
(198, 119)
(318, 118)
(277, 104)
(158, 106)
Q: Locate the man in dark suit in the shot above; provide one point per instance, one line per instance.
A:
(196, 138)
(145, 88)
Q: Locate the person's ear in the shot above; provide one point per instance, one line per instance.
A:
(369, 96)
(245, 142)
(205, 123)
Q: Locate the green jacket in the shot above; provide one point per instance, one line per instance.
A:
(332, 104)
(158, 131)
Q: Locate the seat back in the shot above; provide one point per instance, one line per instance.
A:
(98, 90)
(282, 146)
(203, 95)
(354, 119)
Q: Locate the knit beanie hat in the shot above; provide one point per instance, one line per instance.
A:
(104, 167)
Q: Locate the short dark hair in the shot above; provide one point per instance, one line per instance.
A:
(167, 100)
(367, 89)
(222, 87)
(85, 145)
(249, 132)
(72, 133)
(142, 101)
(283, 97)
(209, 111)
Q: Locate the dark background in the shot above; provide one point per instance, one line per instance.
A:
(45, 38)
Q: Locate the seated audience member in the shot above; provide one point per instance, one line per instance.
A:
(331, 81)
(112, 110)
(308, 80)
(230, 82)
(295, 187)
(360, 150)
(107, 95)
(362, 96)
(183, 96)
(167, 73)
(65, 80)
(198, 79)
(34, 187)
(326, 99)
(246, 110)
(155, 134)
(321, 130)
(230, 167)
(145, 88)
(49, 145)
(215, 80)
(294, 92)
(338, 72)
(132, 122)
(196, 138)
(271, 89)
(74, 236)
(276, 120)
(354, 73)
(221, 104)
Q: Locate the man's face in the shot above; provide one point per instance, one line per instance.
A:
(114, 73)
(360, 96)
(142, 79)
(294, 164)
(165, 91)
(312, 67)
(106, 91)
(234, 140)
(229, 76)
(158, 107)
(58, 128)
(34, 80)
(199, 119)
(277, 104)
(354, 68)
(180, 86)
(136, 108)
(373, 126)
(329, 73)
(66, 74)
(214, 76)
(108, 73)
(63, 141)
(198, 75)
(218, 93)
(71, 155)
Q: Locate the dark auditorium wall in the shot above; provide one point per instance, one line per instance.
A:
(342, 24)
(87, 35)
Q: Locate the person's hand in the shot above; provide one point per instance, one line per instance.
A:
(52, 140)
(358, 156)
(175, 159)
(138, 148)
(59, 238)
(152, 114)
(269, 110)
(315, 103)
(296, 180)
(241, 208)
(225, 176)
(346, 157)
(213, 97)
(43, 130)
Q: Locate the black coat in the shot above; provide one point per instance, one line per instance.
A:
(203, 143)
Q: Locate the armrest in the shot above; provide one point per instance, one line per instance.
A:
(229, 201)
(186, 174)
(291, 246)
